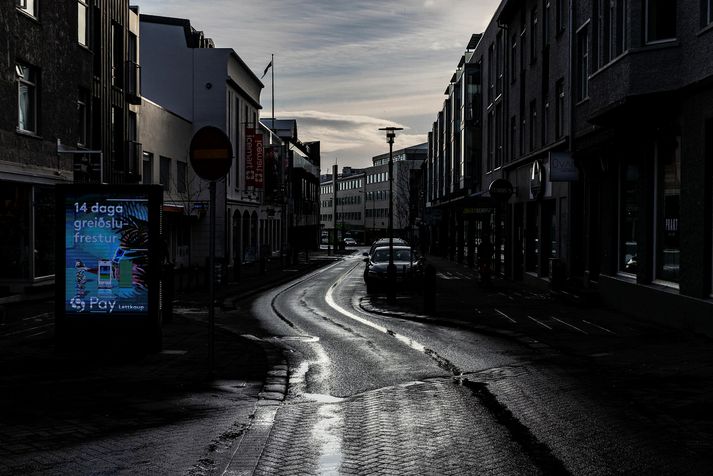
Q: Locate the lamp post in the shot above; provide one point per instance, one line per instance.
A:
(391, 269)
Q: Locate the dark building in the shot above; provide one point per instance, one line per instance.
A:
(69, 77)
(600, 116)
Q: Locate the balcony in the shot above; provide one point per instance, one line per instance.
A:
(133, 82)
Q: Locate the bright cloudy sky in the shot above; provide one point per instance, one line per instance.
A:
(344, 68)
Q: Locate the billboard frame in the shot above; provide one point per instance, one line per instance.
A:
(141, 328)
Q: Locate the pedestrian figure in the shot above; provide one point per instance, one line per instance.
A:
(485, 260)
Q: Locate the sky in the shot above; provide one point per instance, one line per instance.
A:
(344, 68)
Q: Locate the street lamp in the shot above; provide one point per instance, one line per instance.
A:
(391, 269)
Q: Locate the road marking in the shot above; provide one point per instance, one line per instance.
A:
(506, 316)
(598, 327)
(329, 298)
(540, 323)
(568, 324)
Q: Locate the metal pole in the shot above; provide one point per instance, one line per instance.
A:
(272, 60)
(391, 270)
(211, 277)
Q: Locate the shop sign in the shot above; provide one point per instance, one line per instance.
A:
(259, 161)
(249, 157)
(477, 210)
(562, 167)
(501, 190)
(537, 180)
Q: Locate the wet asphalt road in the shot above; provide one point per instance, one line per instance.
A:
(370, 394)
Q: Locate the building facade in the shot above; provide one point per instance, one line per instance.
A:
(598, 116)
(186, 74)
(361, 206)
(69, 84)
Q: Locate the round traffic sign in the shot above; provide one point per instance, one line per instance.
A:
(500, 189)
(211, 153)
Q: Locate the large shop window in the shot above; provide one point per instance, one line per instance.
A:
(668, 243)
(15, 213)
(44, 231)
(628, 241)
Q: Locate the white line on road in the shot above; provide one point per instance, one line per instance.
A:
(506, 316)
(598, 327)
(568, 324)
(540, 323)
(406, 340)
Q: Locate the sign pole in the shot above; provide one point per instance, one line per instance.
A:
(211, 155)
(211, 279)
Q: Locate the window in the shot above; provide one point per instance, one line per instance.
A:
(629, 221)
(117, 52)
(82, 22)
(583, 63)
(533, 35)
(706, 12)
(513, 134)
(668, 243)
(26, 98)
(545, 120)
(546, 23)
(660, 20)
(82, 118)
(28, 6)
(499, 61)
(559, 108)
(609, 31)
(165, 173)
(533, 122)
(513, 59)
(491, 72)
(491, 141)
(147, 172)
(181, 177)
(499, 135)
(561, 15)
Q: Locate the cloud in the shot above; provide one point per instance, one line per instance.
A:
(353, 139)
(385, 61)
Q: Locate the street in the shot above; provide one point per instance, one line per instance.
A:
(375, 394)
(317, 377)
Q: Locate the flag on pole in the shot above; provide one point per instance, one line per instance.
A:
(267, 68)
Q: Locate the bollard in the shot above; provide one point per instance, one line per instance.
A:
(429, 289)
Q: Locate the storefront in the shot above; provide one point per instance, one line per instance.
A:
(27, 238)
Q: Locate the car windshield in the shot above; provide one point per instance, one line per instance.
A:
(382, 255)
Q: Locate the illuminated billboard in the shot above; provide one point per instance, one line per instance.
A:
(110, 250)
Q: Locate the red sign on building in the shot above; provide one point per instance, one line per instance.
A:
(259, 161)
(250, 157)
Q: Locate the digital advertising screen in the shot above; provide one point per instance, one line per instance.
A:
(108, 243)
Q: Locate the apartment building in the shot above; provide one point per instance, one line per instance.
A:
(71, 95)
(597, 115)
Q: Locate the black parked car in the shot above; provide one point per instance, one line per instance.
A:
(409, 267)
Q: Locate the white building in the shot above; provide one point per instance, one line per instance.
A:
(206, 86)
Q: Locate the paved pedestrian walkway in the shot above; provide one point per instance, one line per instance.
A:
(107, 411)
(665, 373)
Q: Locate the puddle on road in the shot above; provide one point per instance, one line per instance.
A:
(327, 434)
(320, 398)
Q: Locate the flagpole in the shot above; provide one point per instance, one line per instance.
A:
(273, 90)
